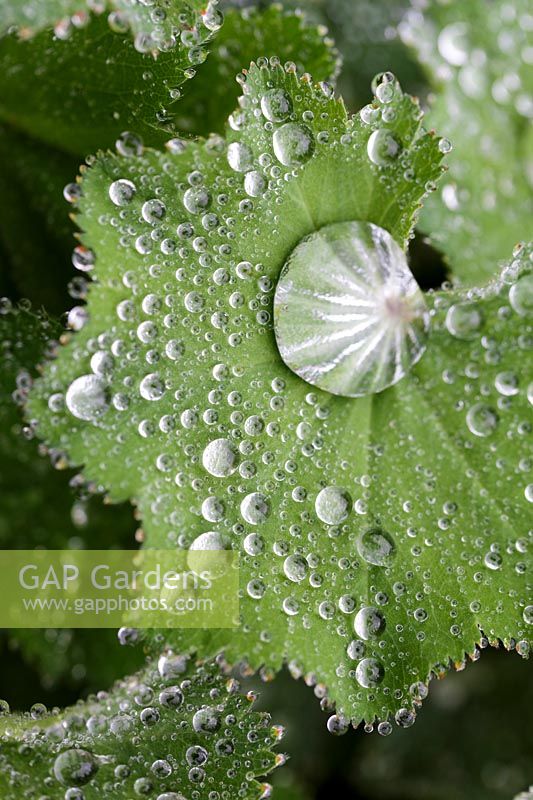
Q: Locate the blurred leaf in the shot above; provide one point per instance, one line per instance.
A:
(472, 741)
(37, 509)
(478, 57)
(246, 36)
(80, 95)
(158, 25)
(182, 730)
(35, 264)
(365, 34)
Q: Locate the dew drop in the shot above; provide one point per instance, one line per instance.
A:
(507, 383)
(153, 211)
(240, 157)
(295, 568)
(206, 720)
(493, 560)
(356, 649)
(369, 622)
(255, 508)
(338, 725)
(220, 458)
(254, 183)
(332, 505)
(122, 192)
(211, 540)
(276, 105)
(253, 544)
(87, 397)
(481, 420)
(152, 387)
(521, 295)
(196, 200)
(453, 44)
(369, 673)
(76, 767)
(464, 320)
(293, 144)
(349, 317)
(376, 547)
(383, 148)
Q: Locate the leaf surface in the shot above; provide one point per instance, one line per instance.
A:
(205, 428)
(180, 730)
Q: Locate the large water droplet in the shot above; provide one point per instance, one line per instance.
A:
(349, 316)
(87, 397)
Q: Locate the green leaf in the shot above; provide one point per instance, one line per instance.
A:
(365, 34)
(478, 58)
(178, 730)
(52, 89)
(182, 300)
(82, 94)
(245, 36)
(37, 509)
(156, 26)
